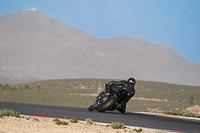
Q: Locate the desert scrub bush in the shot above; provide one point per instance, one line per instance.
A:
(188, 114)
(58, 122)
(35, 119)
(27, 87)
(55, 120)
(156, 111)
(117, 125)
(89, 120)
(28, 118)
(139, 130)
(73, 120)
(172, 112)
(5, 87)
(9, 112)
(39, 88)
(17, 114)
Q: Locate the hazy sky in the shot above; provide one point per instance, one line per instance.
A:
(174, 22)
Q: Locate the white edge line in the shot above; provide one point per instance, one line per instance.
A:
(172, 116)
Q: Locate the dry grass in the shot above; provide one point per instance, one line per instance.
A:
(82, 92)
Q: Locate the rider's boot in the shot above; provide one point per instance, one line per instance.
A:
(121, 107)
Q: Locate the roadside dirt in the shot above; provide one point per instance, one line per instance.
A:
(46, 125)
(194, 109)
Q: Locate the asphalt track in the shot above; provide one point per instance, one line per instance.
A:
(129, 118)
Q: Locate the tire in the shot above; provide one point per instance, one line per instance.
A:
(90, 108)
(110, 103)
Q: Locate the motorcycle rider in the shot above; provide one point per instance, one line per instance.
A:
(128, 86)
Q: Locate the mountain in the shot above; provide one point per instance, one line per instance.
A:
(39, 47)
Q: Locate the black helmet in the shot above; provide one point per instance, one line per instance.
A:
(132, 80)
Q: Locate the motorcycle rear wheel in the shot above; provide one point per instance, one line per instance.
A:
(108, 104)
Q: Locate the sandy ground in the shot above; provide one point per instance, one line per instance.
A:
(46, 125)
(194, 109)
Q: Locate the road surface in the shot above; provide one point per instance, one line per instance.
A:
(129, 118)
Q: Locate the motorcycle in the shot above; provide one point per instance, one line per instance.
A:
(107, 100)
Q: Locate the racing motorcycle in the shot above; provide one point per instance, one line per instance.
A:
(107, 100)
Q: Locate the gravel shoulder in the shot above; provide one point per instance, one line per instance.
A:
(46, 125)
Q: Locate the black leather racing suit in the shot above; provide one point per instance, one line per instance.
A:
(128, 86)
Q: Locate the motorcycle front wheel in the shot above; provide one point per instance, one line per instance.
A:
(108, 104)
(90, 108)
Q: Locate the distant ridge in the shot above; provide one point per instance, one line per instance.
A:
(35, 45)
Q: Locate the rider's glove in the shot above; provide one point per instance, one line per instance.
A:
(107, 90)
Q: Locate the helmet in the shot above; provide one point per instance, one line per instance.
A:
(132, 80)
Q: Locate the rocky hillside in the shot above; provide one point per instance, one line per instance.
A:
(35, 46)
